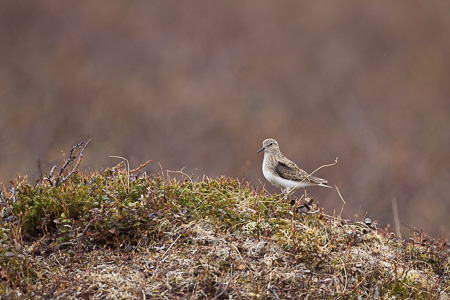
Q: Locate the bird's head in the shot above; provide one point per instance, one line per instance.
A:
(269, 145)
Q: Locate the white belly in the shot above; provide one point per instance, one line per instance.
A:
(284, 184)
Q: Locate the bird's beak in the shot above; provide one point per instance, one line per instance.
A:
(260, 150)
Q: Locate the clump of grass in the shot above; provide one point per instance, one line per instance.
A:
(115, 234)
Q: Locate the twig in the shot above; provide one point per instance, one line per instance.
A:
(226, 286)
(39, 167)
(181, 172)
(162, 171)
(342, 198)
(10, 209)
(72, 157)
(239, 253)
(65, 244)
(128, 169)
(141, 166)
(60, 178)
(3, 199)
(274, 294)
(411, 228)
(85, 228)
(324, 166)
(345, 273)
(13, 196)
(356, 286)
(396, 217)
(50, 175)
(309, 175)
(170, 247)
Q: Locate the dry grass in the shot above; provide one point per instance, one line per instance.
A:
(114, 235)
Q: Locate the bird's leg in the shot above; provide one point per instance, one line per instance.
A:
(286, 194)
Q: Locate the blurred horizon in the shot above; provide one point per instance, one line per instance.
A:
(199, 86)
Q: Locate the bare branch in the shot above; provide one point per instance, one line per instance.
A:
(343, 201)
(140, 167)
(72, 156)
(50, 175)
(128, 168)
(396, 217)
(221, 291)
(274, 294)
(3, 199)
(9, 213)
(181, 172)
(324, 166)
(309, 175)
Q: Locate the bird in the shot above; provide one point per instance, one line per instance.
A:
(283, 173)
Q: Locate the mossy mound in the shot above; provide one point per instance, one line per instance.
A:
(118, 235)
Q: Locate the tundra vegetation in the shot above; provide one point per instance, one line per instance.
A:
(123, 233)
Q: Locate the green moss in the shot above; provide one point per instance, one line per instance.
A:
(111, 210)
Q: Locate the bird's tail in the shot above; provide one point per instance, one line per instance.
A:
(324, 184)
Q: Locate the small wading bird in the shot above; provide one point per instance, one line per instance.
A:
(283, 173)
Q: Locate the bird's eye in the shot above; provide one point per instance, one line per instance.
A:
(270, 144)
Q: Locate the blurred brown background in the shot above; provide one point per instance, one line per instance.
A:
(200, 85)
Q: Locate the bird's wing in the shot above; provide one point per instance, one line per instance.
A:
(289, 170)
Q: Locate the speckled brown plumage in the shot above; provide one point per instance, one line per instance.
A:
(282, 172)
